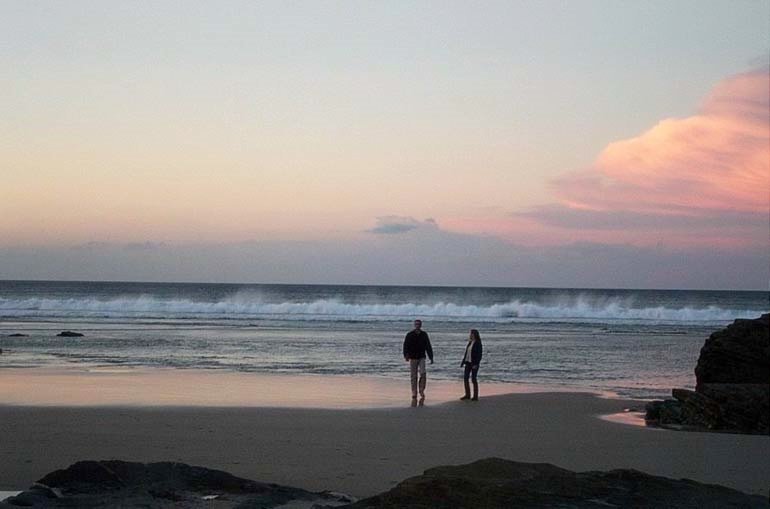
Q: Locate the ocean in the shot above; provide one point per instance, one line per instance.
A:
(633, 343)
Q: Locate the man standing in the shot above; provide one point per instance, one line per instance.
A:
(416, 345)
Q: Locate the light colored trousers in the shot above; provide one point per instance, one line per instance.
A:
(416, 365)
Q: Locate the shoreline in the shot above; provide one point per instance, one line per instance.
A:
(303, 391)
(175, 387)
(366, 451)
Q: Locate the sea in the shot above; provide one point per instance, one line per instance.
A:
(630, 343)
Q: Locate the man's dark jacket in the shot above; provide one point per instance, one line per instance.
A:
(417, 344)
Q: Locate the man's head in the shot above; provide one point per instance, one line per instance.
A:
(417, 324)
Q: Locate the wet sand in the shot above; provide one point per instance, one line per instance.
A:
(217, 388)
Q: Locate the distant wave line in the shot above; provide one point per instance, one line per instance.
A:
(572, 308)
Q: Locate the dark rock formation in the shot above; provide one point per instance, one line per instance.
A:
(69, 334)
(739, 354)
(157, 485)
(665, 412)
(732, 384)
(490, 483)
(17, 335)
(498, 483)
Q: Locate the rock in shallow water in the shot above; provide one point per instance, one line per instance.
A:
(69, 334)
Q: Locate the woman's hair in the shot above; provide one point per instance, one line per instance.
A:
(475, 335)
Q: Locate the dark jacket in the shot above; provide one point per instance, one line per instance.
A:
(417, 344)
(476, 353)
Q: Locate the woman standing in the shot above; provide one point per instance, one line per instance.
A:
(471, 361)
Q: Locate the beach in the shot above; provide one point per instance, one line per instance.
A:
(363, 450)
(306, 386)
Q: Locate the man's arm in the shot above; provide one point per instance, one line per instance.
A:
(406, 338)
(428, 348)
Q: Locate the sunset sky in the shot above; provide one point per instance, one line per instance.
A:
(512, 143)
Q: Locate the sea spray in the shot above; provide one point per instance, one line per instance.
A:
(574, 308)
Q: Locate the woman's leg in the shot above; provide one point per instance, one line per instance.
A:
(474, 374)
(466, 375)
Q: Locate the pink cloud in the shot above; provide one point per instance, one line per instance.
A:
(695, 182)
(718, 159)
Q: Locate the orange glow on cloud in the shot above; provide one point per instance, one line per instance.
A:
(700, 181)
(718, 159)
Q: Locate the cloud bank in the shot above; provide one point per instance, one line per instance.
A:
(434, 257)
(698, 180)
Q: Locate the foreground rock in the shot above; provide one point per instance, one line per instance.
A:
(732, 390)
(498, 483)
(69, 334)
(158, 485)
(490, 483)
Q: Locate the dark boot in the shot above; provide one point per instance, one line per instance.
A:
(467, 390)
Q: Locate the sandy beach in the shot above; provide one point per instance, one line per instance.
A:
(363, 451)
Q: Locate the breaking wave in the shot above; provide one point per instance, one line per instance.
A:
(572, 308)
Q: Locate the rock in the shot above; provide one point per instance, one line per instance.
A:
(31, 498)
(158, 485)
(69, 334)
(498, 483)
(732, 384)
(38, 495)
(17, 335)
(698, 410)
(743, 407)
(491, 483)
(659, 413)
(739, 354)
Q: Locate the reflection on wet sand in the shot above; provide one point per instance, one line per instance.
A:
(182, 387)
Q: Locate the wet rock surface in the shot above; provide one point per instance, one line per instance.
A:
(70, 334)
(498, 483)
(732, 391)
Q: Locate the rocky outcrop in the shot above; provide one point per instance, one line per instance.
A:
(498, 483)
(158, 485)
(17, 335)
(738, 354)
(732, 384)
(490, 483)
(69, 334)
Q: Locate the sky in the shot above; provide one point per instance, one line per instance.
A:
(516, 143)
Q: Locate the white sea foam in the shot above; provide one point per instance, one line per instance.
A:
(245, 306)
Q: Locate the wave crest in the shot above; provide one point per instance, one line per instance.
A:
(245, 307)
